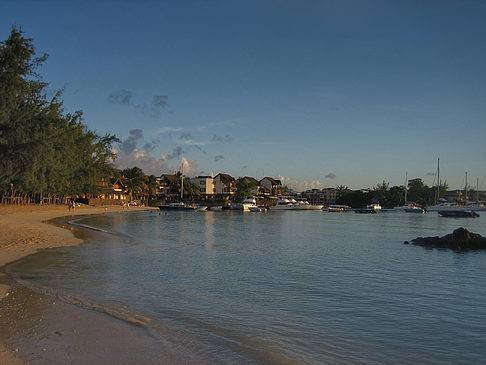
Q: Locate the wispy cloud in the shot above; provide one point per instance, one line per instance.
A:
(163, 130)
(225, 138)
(218, 158)
(153, 108)
(331, 175)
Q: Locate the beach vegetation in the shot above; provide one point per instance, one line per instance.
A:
(44, 151)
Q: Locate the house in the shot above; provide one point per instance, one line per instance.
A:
(205, 184)
(272, 185)
(168, 185)
(259, 189)
(224, 185)
(111, 190)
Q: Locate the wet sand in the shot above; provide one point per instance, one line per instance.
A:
(38, 329)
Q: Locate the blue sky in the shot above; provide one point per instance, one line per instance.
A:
(320, 93)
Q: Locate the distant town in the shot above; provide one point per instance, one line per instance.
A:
(224, 189)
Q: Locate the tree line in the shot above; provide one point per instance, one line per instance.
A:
(389, 197)
(44, 151)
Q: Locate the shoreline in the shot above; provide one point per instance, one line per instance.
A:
(24, 230)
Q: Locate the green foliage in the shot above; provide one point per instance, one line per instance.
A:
(133, 179)
(243, 189)
(42, 149)
(355, 199)
(191, 190)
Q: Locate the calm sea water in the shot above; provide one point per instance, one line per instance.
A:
(280, 287)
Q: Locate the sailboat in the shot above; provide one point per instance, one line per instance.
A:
(409, 207)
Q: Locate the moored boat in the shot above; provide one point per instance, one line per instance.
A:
(365, 211)
(338, 208)
(177, 206)
(413, 208)
(458, 213)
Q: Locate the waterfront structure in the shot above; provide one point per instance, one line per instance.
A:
(168, 185)
(205, 185)
(272, 185)
(324, 196)
(224, 185)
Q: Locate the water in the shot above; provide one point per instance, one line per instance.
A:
(280, 287)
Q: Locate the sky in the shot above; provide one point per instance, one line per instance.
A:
(316, 93)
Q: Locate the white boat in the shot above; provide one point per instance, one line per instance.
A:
(375, 207)
(338, 208)
(248, 205)
(284, 204)
(305, 205)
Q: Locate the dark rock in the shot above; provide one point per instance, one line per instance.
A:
(460, 240)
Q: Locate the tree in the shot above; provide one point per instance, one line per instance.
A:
(243, 189)
(133, 180)
(42, 149)
(151, 184)
(190, 189)
(354, 199)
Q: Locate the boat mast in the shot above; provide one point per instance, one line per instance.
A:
(477, 190)
(437, 197)
(182, 183)
(406, 186)
(465, 189)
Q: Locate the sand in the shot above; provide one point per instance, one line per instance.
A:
(34, 329)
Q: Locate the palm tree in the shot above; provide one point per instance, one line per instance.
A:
(133, 179)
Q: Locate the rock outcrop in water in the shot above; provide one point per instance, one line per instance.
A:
(460, 240)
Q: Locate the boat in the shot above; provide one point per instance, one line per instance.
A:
(365, 211)
(305, 205)
(374, 206)
(177, 206)
(338, 208)
(414, 208)
(248, 205)
(459, 213)
(284, 204)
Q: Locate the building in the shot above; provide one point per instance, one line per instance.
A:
(324, 196)
(224, 185)
(272, 185)
(168, 185)
(205, 185)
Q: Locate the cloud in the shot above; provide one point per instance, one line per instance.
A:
(331, 175)
(300, 185)
(154, 166)
(125, 97)
(176, 153)
(130, 144)
(160, 101)
(150, 146)
(218, 158)
(186, 136)
(430, 174)
(226, 138)
(163, 130)
(120, 97)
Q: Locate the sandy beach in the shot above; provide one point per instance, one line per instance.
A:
(34, 328)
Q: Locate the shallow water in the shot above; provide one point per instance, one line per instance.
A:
(280, 287)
